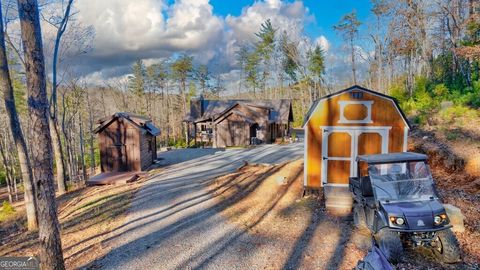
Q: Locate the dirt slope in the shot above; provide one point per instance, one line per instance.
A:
(291, 232)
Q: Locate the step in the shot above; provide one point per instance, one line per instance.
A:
(338, 199)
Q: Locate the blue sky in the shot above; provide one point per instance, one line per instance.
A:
(327, 13)
(211, 31)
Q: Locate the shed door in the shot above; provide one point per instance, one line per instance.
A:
(116, 160)
(341, 146)
(339, 156)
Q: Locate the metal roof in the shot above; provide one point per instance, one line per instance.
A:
(392, 157)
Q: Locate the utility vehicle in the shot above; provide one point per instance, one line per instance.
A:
(395, 198)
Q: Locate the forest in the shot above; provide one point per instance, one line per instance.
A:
(426, 54)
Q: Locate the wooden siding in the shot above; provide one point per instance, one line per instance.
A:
(122, 147)
(383, 114)
(233, 130)
(147, 149)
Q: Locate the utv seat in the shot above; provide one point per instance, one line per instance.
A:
(366, 186)
(367, 191)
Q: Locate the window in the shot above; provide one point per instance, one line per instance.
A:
(355, 111)
(356, 95)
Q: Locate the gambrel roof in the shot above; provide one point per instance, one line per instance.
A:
(315, 104)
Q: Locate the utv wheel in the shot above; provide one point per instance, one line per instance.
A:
(359, 218)
(390, 244)
(446, 247)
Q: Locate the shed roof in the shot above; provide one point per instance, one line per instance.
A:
(141, 122)
(354, 87)
(280, 110)
(392, 157)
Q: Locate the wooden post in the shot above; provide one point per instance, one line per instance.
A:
(188, 134)
(195, 132)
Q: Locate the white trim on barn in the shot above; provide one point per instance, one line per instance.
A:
(334, 185)
(345, 103)
(354, 132)
(305, 156)
(405, 139)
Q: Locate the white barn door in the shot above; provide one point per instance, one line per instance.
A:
(342, 145)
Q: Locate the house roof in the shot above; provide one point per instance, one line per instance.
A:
(280, 110)
(234, 110)
(392, 157)
(314, 106)
(140, 122)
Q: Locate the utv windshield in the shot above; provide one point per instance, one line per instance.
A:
(404, 181)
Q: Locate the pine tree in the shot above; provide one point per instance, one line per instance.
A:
(316, 66)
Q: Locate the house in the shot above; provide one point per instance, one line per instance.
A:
(127, 142)
(223, 123)
(351, 122)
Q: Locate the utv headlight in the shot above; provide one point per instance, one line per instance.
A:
(397, 220)
(440, 219)
(400, 221)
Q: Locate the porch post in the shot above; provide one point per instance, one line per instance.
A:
(195, 132)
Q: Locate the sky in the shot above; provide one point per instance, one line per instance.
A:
(210, 30)
(327, 13)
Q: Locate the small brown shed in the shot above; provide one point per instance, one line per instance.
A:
(127, 142)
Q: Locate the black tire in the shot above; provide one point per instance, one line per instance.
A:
(390, 244)
(446, 247)
(359, 218)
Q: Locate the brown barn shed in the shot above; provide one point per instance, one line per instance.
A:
(127, 142)
(341, 126)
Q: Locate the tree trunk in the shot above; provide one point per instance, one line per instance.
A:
(17, 134)
(92, 153)
(354, 71)
(7, 172)
(58, 154)
(82, 149)
(91, 139)
(51, 255)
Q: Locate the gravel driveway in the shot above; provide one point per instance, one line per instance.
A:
(174, 223)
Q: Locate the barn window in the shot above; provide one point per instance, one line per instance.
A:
(356, 95)
(355, 112)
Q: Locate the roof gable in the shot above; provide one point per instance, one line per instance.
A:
(140, 122)
(280, 110)
(316, 103)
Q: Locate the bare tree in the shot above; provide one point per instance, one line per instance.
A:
(61, 26)
(348, 27)
(51, 254)
(17, 133)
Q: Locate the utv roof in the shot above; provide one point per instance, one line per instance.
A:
(392, 157)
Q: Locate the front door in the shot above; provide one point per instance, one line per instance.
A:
(342, 145)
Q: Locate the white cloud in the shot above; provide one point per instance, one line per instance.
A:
(125, 25)
(323, 42)
(289, 17)
(127, 30)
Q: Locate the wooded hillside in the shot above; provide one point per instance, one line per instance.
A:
(426, 54)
